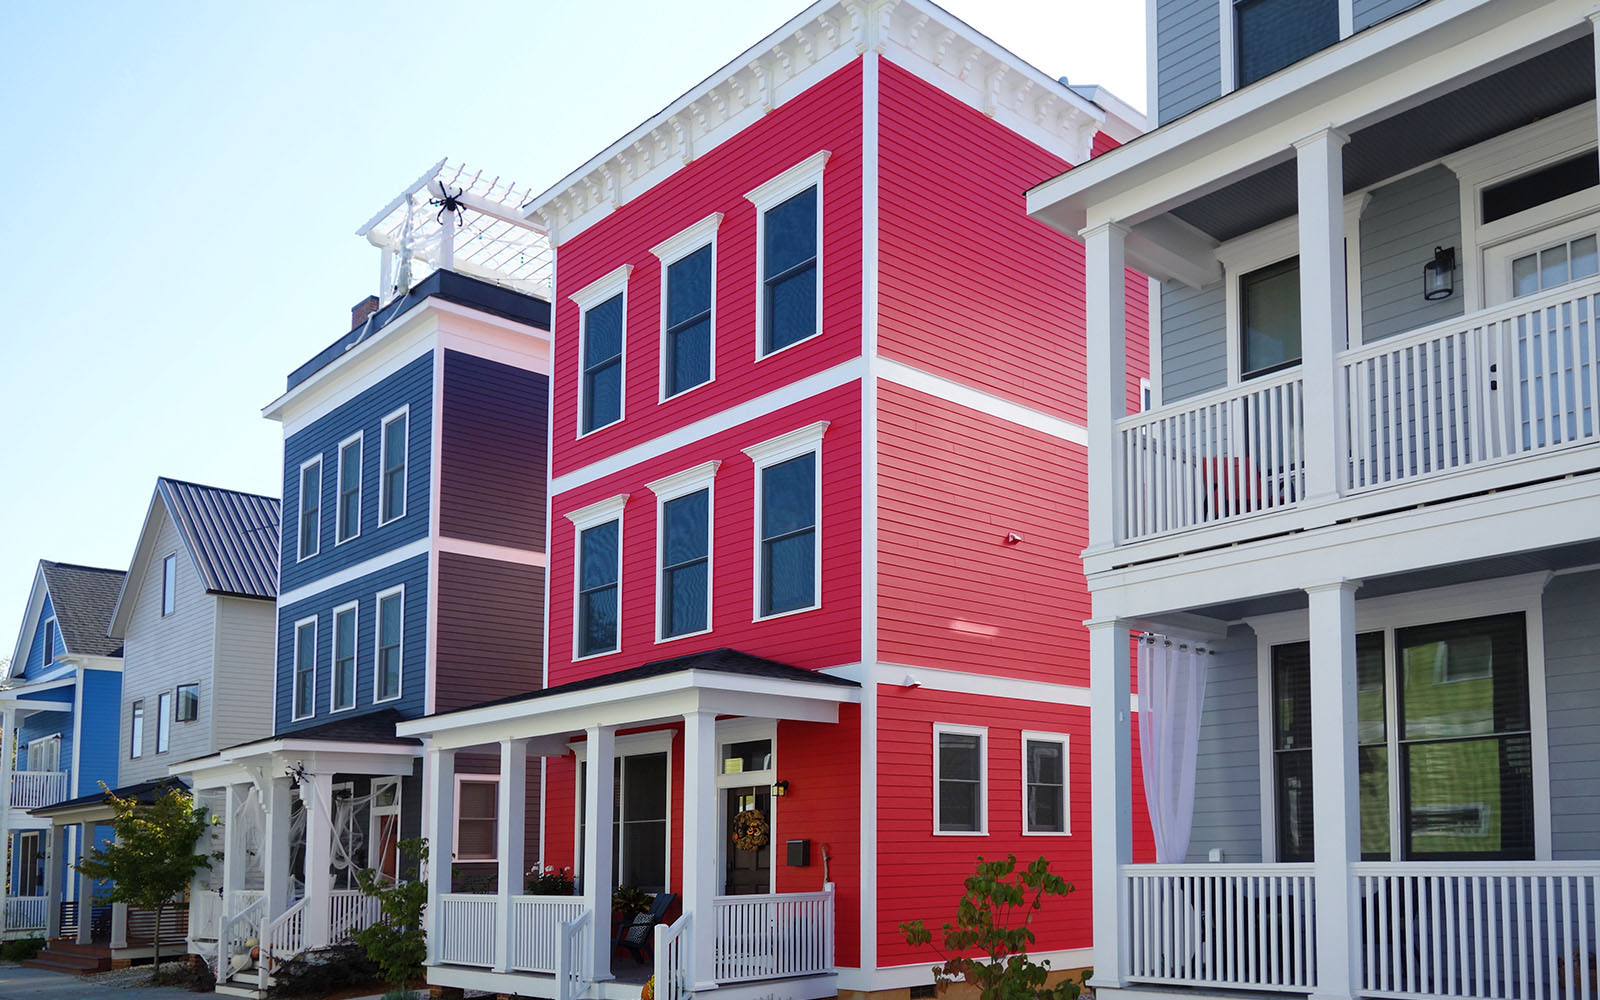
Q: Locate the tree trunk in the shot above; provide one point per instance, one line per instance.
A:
(156, 960)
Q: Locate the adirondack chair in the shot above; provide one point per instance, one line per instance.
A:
(636, 936)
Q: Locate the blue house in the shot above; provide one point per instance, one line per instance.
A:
(412, 556)
(58, 722)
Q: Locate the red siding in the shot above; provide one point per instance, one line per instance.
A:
(828, 636)
(1103, 143)
(827, 116)
(971, 288)
(952, 594)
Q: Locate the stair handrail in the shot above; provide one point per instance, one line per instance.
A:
(283, 938)
(225, 931)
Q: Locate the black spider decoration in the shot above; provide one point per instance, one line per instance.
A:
(449, 203)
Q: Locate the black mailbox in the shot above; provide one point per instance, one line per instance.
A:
(799, 854)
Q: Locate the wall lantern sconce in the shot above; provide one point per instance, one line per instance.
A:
(780, 789)
(1439, 274)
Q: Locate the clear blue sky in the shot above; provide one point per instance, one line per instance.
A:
(182, 182)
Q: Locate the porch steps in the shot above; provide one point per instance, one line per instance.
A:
(236, 990)
(71, 957)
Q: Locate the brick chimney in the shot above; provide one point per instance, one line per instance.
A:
(361, 310)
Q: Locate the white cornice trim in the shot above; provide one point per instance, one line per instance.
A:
(785, 446)
(789, 183)
(687, 481)
(599, 512)
(691, 239)
(600, 289)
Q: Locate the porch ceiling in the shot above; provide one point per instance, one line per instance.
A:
(1516, 96)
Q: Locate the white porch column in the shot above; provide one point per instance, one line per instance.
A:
(275, 845)
(316, 792)
(85, 887)
(511, 810)
(1335, 786)
(1105, 314)
(700, 840)
(119, 925)
(55, 846)
(8, 739)
(439, 775)
(232, 842)
(1319, 161)
(597, 816)
(1111, 742)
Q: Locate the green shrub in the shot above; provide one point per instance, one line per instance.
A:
(21, 949)
(324, 971)
(397, 944)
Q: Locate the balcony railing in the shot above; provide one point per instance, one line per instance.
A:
(25, 913)
(37, 789)
(469, 925)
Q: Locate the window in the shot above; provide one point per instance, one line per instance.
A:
(387, 664)
(788, 550)
(958, 780)
(688, 291)
(1044, 783)
(169, 584)
(599, 571)
(188, 702)
(602, 336)
(639, 824)
(47, 641)
(1555, 265)
(310, 508)
(685, 564)
(344, 657)
(789, 256)
(305, 668)
(1269, 310)
(164, 722)
(1539, 187)
(30, 866)
(45, 754)
(1271, 34)
(392, 484)
(136, 731)
(477, 800)
(349, 520)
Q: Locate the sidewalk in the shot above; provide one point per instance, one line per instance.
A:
(38, 984)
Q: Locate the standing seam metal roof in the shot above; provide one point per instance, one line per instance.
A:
(233, 536)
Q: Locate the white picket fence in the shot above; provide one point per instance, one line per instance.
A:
(1228, 926)
(26, 913)
(467, 927)
(773, 936)
(575, 942)
(536, 923)
(672, 972)
(36, 789)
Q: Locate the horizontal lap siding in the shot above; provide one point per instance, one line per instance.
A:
(246, 637)
(97, 736)
(1227, 777)
(826, 116)
(1572, 687)
(1188, 56)
(35, 662)
(828, 636)
(1399, 230)
(822, 763)
(1194, 343)
(951, 593)
(971, 289)
(492, 452)
(489, 635)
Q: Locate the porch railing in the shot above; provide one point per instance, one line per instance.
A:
(467, 928)
(241, 898)
(1230, 926)
(672, 958)
(1509, 381)
(349, 911)
(773, 936)
(234, 933)
(1487, 931)
(574, 943)
(205, 915)
(536, 923)
(26, 913)
(37, 789)
(1213, 458)
(285, 935)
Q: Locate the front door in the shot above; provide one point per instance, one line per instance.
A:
(30, 865)
(748, 840)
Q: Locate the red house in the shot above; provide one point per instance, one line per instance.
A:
(814, 632)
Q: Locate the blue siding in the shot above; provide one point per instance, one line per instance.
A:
(35, 663)
(1572, 693)
(414, 574)
(411, 385)
(1188, 56)
(1194, 345)
(1366, 13)
(1399, 230)
(100, 732)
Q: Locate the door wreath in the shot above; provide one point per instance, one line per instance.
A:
(750, 830)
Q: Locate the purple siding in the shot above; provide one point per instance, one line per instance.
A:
(492, 453)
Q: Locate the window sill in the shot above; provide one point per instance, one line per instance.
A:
(961, 833)
(596, 656)
(596, 430)
(772, 354)
(786, 614)
(683, 635)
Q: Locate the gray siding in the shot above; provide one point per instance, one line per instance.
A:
(1188, 56)
(1370, 12)
(1572, 690)
(1399, 230)
(245, 658)
(161, 653)
(1194, 346)
(1227, 777)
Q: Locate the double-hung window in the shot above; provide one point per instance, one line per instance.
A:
(1271, 34)
(1269, 318)
(683, 517)
(688, 291)
(387, 663)
(164, 722)
(349, 519)
(1044, 783)
(305, 668)
(169, 585)
(392, 481)
(344, 656)
(136, 731)
(603, 306)
(310, 530)
(477, 813)
(188, 702)
(788, 522)
(960, 788)
(599, 577)
(789, 249)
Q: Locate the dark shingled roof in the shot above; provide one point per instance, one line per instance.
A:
(721, 661)
(233, 536)
(373, 727)
(144, 791)
(83, 598)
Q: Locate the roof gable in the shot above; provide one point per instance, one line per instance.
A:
(83, 598)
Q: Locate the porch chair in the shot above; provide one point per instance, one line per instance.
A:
(637, 936)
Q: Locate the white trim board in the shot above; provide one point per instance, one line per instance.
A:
(384, 560)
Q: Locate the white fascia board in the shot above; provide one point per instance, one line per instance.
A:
(598, 512)
(693, 238)
(790, 445)
(602, 288)
(327, 378)
(30, 707)
(129, 591)
(680, 483)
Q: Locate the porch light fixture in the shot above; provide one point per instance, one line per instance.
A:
(780, 789)
(1439, 275)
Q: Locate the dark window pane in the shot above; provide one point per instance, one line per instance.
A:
(1274, 33)
(790, 565)
(1541, 186)
(687, 519)
(1046, 791)
(1291, 690)
(1270, 311)
(1467, 678)
(598, 615)
(686, 599)
(646, 779)
(791, 233)
(959, 756)
(599, 555)
(689, 287)
(1044, 763)
(1370, 705)
(788, 501)
(1469, 798)
(750, 755)
(689, 356)
(1296, 839)
(1375, 803)
(644, 852)
(602, 332)
(310, 502)
(791, 308)
(602, 396)
(1045, 813)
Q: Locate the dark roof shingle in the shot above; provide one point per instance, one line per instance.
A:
(83, 598)
(373, 727)
(233, 536)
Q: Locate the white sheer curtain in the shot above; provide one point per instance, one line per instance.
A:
(1172, 690)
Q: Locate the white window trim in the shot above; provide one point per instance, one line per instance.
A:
(739, 731)
(594, 515)
(668, 489)
(1228, 34)
(1035, 736)
(164, 719)
(170, 560)
(594, 293)
(376, 812)
(485, 779)
(294, 667)
(136, 739)
(795, 443)
(669, 252)
(383, 464)
(1506, 595)
(300, 510)
(377, 643)
(355, 656)
(982, 732)
(769, 195)
(39, 743)
(629, 745)
(48, 641)
(359, 438)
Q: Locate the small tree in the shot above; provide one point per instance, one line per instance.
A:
(988, 944)
(152, 861)
(398, 943)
